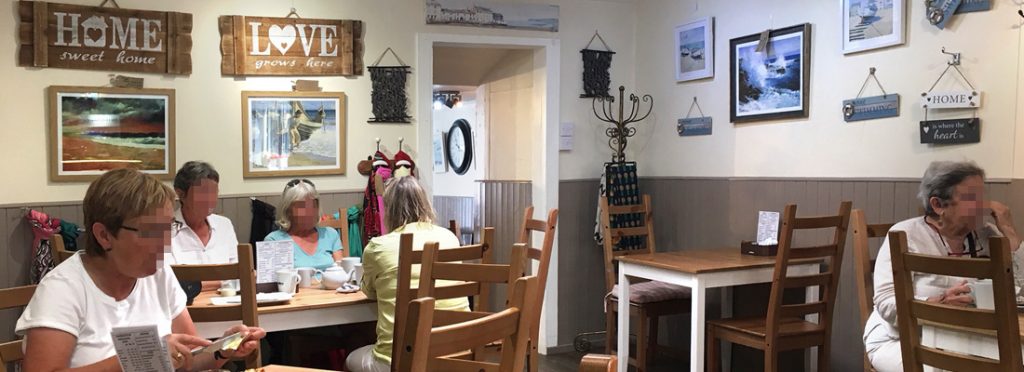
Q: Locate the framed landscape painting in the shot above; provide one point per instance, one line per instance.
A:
(695, 50)
(773, 83)
(288, 134)
(872, 24)
(93, 130)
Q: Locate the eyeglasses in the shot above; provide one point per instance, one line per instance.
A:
(151, 231)
(297, 181)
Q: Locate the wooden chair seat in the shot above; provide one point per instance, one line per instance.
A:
(652, 291)
(10, 298)
(757, 328)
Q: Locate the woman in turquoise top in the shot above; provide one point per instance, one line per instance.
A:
(298, 216)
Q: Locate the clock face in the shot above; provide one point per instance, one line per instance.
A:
(459, 146)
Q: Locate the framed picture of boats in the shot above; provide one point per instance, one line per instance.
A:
(93, 130)
(872, 24)
(773, 83)
(288, 134)
(695, 50)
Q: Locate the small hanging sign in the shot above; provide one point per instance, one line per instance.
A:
(596, 63)
(695, 126)
(940, 11)
(974, 6)
(954, 131)
(867, 108)
(958, 99)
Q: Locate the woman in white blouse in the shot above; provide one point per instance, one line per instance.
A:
(199, 236)
(953, 195)
(118, 281)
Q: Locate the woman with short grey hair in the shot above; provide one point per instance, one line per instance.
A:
(953, 197)
(198, 236)
(298, 215)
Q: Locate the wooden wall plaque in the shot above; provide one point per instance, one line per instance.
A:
(106, 39)
(260, 46)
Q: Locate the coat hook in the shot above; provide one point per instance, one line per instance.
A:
(956, 57)
(1020, 12)
(378, 143)
(400, 140)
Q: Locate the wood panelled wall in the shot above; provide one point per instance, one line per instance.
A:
(712, 213)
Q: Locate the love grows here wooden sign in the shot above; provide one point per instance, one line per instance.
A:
(254, 46)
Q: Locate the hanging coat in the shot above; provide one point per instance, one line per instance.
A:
(43, 228)
(373, 202)
(355, 236)
(69, 231)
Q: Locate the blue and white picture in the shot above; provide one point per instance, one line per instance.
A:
(872, 24)
(772, 83)
(294, 135)
(695, 50)
(502, 14)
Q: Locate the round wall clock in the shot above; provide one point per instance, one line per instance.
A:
(458, 146)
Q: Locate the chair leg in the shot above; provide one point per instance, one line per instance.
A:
(771, 360)
(609, 327)
(652, 344)
(534, 358)
(714, 355)
(823, 353)
(641, 342)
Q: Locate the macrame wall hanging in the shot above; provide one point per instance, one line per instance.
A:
(596, 78)
(388, 97)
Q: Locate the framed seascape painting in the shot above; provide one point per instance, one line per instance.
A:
(93, 130)
(695, 50)
(872, 24)
(773, 83)
(288, 134)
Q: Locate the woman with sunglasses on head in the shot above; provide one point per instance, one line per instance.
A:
(119, 280)
(298, 215)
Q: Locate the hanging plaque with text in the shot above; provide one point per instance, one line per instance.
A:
(953, 131)
(958, 99)
(868, 108)
(260, 46)
(106, 39)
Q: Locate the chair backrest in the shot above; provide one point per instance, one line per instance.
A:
(245, 311)
(10, 352)
(827, 282)
(864, 265)
(58, 250)
(910, 312)
(640, 219)
(407, 257)
(425, 347)
(453, 226)
(543, 257)
(472, 277)
(340, 224)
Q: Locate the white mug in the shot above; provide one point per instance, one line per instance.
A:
(308, 277)
(349, 263)
(287, 279)
(981, 290)
(357, 274)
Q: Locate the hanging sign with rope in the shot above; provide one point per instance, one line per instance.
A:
(884, 106)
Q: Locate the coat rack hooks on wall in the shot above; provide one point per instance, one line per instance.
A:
(378, 143)
(400, 140)
(955, 57)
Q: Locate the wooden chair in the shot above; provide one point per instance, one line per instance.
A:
(543, 257)
(864, 265)
(784, 328)
(425, 348)
(912, 312)
(405, 292)
(58, 250)
(246, 311)
(10, 352)
(453, 226)
(598, 363)
(676, 300)
(471, 276)
(340, 224)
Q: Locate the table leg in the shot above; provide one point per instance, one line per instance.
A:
(623, 336)
(697, 319)
(726, 313)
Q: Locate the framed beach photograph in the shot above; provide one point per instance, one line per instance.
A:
(695, 50)
(93, 130)
(289, 134)
(872, 24)
(773, 83)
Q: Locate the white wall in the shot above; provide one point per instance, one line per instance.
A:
(823, 145)
(208, 119)
(449, 183)
(513, 117)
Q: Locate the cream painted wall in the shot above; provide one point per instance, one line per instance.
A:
(513, 117)
(208, 118)
(823, 145)
(449, 183)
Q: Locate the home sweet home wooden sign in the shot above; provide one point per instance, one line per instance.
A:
(106, 39)
(253, 46)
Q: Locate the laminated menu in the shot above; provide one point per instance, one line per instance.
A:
(141, 348)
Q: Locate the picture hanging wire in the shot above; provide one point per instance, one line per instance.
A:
(292, 13)
(691, 109)
(955, 64)
(110, 1)
(598, 36)
(871, 74)
(400, 62)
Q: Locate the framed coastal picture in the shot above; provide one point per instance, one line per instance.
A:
(773, 83)
(872, 24)
(695, 50)
(497, 14)
(288, 134)
(93, 130)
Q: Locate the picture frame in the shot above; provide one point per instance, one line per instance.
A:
(872, 24)
(695, 50)
(96, 129)
(496, 14)
(774, 84)
(440, 161)
(289, 134)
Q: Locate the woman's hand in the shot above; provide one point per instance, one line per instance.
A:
(1004, 222)
(179, 347)
(250, 343)
(957, 295)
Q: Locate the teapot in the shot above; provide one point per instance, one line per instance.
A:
(335, 276)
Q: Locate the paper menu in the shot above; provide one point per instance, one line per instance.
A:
(767, 228)
(141, 349)
(272, 256)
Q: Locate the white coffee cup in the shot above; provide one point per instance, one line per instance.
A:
(287, 279)
(308, 277)
(349, 263)
(357, 275)
(981, 290)
(227, 291)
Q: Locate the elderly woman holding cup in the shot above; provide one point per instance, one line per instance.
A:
(953, 197)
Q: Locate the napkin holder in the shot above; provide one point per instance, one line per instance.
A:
(751, 249)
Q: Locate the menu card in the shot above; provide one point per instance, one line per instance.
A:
(272, 256)
(141, 349)
(767, 228)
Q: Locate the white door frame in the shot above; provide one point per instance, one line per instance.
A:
(545, 174)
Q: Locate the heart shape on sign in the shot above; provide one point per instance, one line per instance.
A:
(926, 128)
(282, 38)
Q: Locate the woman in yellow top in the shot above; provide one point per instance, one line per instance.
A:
(407, 210)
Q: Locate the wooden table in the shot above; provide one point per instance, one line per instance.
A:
(700, 270)
(277, 368)
(308, 308)
(964, 340)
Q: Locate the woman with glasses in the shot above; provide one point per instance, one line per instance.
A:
(119, 280)
(298, 215)
(199, 236)
(953, 197)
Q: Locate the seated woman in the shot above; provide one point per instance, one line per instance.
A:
(119, 280)
(199, 236)
(298, 216)
(953, 196)
(407, 210)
